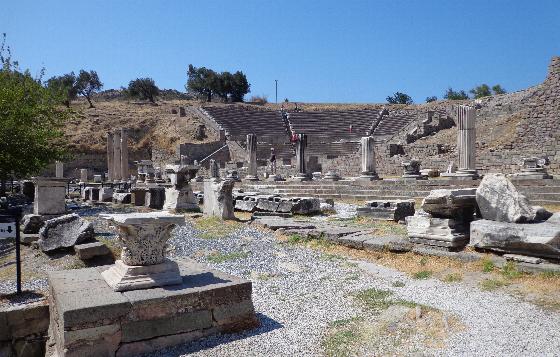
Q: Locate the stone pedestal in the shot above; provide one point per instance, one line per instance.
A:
(50, 196)
(155, 197)
(143, 263)
(180, 199)
(138, 196)
(252, 158)
(106, 194)
(532, 168)
(412, 170)
(331, 176)
(441, 232)
(389, 210)
(368, 159)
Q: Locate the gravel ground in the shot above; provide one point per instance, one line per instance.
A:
(298, 291)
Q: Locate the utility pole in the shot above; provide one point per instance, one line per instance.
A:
(276, 90)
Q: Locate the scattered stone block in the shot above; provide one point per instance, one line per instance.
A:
(523, 258)
(499, 200)
(541, 213)
(64, 232)
(247, 204)
(275, 224)
(536, 240)
(391, 244)
(32, 223)
(354, 240)
(121, 197)
(445, 203)
(306, 205)
(390, 210)
(267, 204)
(180, 199)
(90, 250)
(261, 214)
(285, 206)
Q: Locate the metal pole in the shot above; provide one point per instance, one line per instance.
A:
(276, 90)
(18, 257)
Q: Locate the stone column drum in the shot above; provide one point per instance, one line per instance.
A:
(143, 263)
(301, 144)
(116, 156)
(368, 159)
(252, 157)
(110, 157)
(59, 169)
(466, 140)
(124, 155)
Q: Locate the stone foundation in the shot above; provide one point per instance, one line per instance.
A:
(88, 318)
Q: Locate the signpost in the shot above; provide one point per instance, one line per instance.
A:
(9, 228)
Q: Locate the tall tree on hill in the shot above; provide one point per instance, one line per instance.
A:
(143, 88)
(497, 89)
(240, 86)
(480, 91)
(64, 86)
(88, 83)
(450, 94)
(206, 83)
(31, 122)
(202, 81)
(399, 98)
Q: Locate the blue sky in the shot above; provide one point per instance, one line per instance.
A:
(320, 51)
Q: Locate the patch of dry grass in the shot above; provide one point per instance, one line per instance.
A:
(213, 227)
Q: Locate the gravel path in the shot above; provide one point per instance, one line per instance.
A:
(298, 291)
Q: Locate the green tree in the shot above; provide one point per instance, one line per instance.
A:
(143, 88)
(480, 91)
(431, 99)
(240, 86)
(399, 98)
(497, 89)
(64, 86)
(88, 83)
(455, 95)
(202, 82)
(31, 122)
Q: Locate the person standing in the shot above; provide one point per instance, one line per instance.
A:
(272, 162)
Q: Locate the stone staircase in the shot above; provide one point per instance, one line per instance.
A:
(539, 192)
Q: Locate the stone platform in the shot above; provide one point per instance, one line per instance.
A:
(88, 318)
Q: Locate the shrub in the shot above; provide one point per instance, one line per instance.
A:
(262, 99)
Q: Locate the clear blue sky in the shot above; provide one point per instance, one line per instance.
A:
(320, 51)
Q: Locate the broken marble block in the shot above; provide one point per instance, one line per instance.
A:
(445, 203)
(306, 205)
(499, 200)
(442, 232)
(286, 206)
(91, 250)
(64, 232)
(121, 197)
(180, 199)
(536, 239)
(389, 210)
(32, 223)
(247, 204)
(267, 204)
(218, 199)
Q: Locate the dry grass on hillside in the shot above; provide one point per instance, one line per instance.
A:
(149, 125)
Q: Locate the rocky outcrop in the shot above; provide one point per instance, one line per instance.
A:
(498, 200)
(64, 232)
